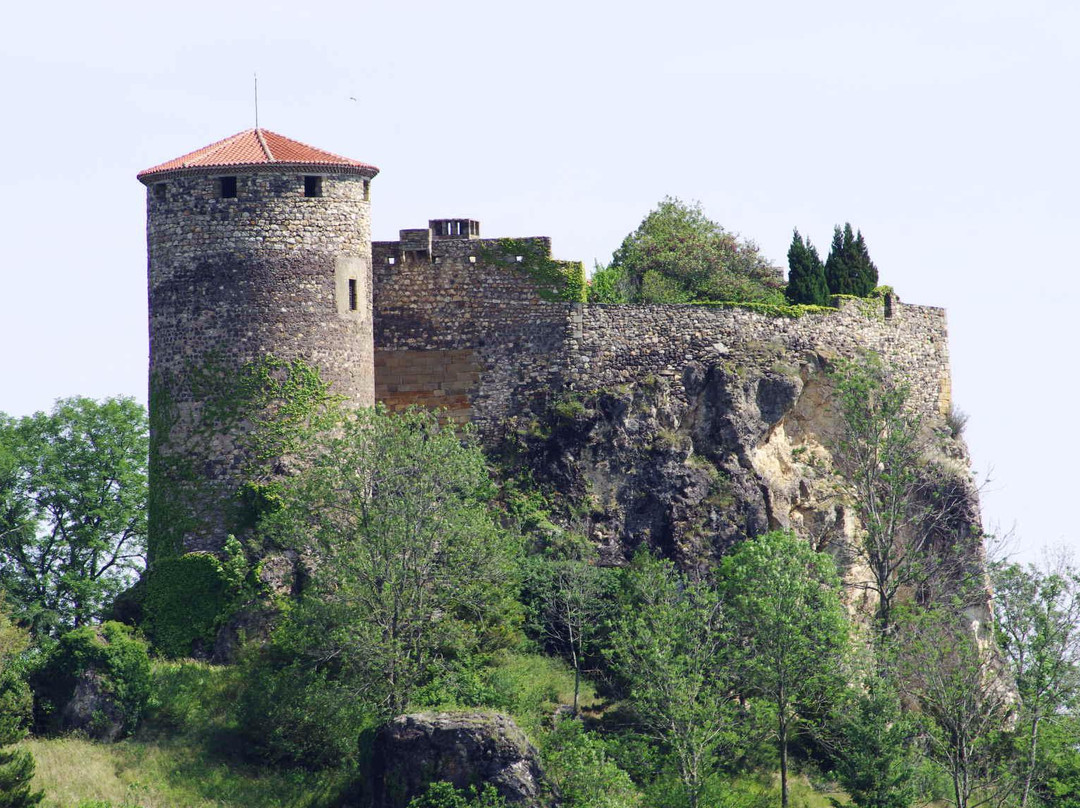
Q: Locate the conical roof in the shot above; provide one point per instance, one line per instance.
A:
(257, 150)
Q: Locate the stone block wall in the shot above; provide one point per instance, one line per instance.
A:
(453, 317)
(269, 272)
(613, 345)
(525, 352)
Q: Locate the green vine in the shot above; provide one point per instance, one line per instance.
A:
(793, 312)
(266, 408)
(555, 280)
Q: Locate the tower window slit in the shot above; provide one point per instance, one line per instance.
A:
(352, 294)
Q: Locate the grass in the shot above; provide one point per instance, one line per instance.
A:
(183, 756)
(169, 774)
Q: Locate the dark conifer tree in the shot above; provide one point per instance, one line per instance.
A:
(849, 270)
(806, 274)
(866, 271)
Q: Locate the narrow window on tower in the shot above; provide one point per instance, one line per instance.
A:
(160, 190)
(352, 294)
(312, 186)
(227, 185)
(367, 190)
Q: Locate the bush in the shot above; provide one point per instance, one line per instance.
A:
(113, 655)
(444, 795)
(293, 714)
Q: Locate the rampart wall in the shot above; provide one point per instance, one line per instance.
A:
(449, 312)
(474, 336)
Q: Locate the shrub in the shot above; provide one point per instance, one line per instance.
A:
(292, 714)
(444, 795)
(117, 659)
(956, 420)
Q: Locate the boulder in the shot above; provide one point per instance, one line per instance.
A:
(93, 710)
(461, 748)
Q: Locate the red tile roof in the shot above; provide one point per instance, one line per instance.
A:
(257, 149)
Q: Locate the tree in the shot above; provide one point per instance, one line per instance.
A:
(577, 764)
(1037, 615)
(607, 285)
(73, 498)
(408, 567)
(669, 646)
(902, 500)
(848, 269)
(958, 689)
(678, 255)
(16, 765)
(806, 274)
(783, 600)
(566, 587)
(875, 749)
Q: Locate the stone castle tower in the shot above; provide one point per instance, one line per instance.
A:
(259, 247)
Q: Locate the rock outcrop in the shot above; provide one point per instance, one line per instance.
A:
(461, 748)
(691, 466)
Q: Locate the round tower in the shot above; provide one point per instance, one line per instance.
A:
(259, 256)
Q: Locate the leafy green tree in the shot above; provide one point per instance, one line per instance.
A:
(408, 568)
(565, 589)
(16, 765)
(957, 688)
(73, 500)
(848, 269)
(607, 285)
(902, 500)
(806, 274)
(783, 601)
(1037, 618)
(678, 255)
(577, 764)
(875, 748)
(670, 647)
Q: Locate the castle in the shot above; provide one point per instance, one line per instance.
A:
(260, 246)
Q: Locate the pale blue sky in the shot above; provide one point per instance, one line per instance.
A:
(946, 131)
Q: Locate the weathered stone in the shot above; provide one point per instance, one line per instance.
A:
(92, 710)
(461, 748)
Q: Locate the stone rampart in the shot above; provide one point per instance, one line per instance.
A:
(474, 337)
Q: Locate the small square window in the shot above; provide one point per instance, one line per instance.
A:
(160, 191)
(391, 260)
(472, 259)
(227, 186)
(312, 186)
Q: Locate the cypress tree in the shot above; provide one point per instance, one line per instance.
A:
(849, 270)
(866, 271)
(837, 265)
(806, 274)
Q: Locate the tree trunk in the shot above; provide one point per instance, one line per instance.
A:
(1030, 773)
(783, 764)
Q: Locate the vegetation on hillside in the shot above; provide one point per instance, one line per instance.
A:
(424, 584)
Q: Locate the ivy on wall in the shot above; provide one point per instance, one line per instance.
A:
(262, 411)
(555, 280)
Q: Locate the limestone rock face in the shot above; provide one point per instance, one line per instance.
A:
(462, 748)
(691, 465)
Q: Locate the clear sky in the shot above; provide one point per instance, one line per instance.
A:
(946, 131)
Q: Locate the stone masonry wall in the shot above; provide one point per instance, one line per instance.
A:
(530, 353)
(612, 345)
(447, 316)
(231, 280)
